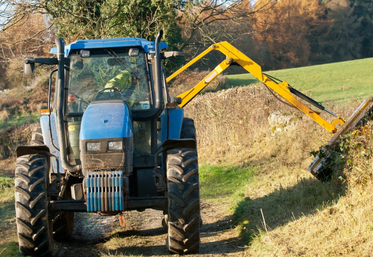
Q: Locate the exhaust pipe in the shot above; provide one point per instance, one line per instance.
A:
(158, 74)
(61, 95)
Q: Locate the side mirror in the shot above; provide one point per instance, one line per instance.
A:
(29, 66)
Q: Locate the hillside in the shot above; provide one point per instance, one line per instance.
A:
(279, 208)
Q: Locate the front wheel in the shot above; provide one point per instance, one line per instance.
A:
(34, 229)
(183, 201)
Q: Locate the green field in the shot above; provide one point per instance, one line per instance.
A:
(328, 82)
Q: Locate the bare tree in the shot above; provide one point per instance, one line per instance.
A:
(197, 19)
(188, 25)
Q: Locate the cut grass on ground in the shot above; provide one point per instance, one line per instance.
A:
(275, 198)
(335, 82)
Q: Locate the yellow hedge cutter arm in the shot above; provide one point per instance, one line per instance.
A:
(234, 56)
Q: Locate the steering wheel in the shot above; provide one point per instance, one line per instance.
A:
(114, 93)
(76, 103)
(82, 104)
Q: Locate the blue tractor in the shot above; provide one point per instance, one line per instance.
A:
(112, 140)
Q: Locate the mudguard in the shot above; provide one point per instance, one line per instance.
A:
(175, 122)
(49, 149)
(48, 129)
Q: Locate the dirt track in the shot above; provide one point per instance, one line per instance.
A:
(95, 235)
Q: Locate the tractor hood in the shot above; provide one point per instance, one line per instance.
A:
(106, 120)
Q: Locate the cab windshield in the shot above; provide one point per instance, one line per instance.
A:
(99, 75)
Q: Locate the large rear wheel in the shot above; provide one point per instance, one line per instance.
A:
(183, 201)
(34, 229)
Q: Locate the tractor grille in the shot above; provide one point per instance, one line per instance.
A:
(105, 191)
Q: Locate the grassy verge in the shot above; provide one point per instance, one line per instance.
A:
(309, 218)
(8, 239)
(335, 82)
(263, 201)
(287, 212)
(276, 200)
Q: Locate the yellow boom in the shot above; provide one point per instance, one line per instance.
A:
(233, 55)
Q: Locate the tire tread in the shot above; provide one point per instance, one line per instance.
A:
(33, 228)
(184, 203)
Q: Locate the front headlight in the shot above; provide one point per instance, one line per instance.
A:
(115, 145)
(93, 147)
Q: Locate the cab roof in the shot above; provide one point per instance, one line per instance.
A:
(148, 46)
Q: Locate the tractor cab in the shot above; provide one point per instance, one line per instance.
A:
(103, 85)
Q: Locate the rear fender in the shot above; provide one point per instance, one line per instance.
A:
(175, 122)
(48, 128)
(175, 143)
(32, 149)
(159, 173)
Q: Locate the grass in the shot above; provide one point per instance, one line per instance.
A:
(223, 181)
(8, 240)
(19, 120)
(282, 210)
(282, 200)
(336, 82)
(335, 218)
(6, 183)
